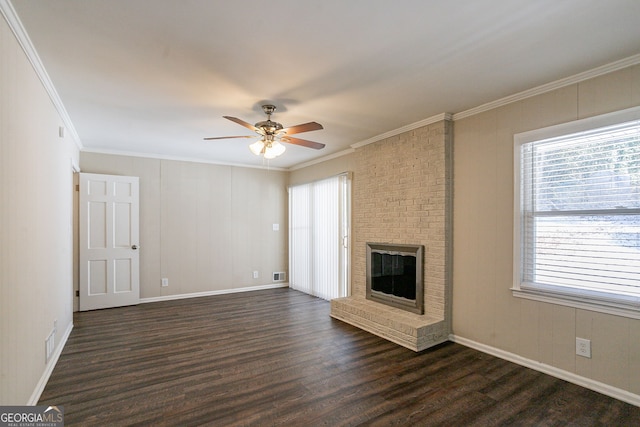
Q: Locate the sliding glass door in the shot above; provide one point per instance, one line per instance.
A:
(319, 225)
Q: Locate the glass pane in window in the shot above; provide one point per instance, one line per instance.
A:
(599, 170)
(594, 252)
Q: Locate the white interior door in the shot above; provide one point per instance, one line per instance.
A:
(109, 246)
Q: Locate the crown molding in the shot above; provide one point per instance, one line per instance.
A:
(407, 128)
(576, 78)
(425, 122)
(10, 15)
(180, 159)
(322, 159)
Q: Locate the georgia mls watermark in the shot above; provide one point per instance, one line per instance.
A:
(31, 416)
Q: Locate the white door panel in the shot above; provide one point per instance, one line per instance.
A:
(109, 248)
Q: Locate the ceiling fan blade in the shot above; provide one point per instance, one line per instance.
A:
(306, 127)
(229, 137)
(242, 123)
(302, 142)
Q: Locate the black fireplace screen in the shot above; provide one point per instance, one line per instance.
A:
(394, 275)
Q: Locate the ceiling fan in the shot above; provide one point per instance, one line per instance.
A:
(273, 133)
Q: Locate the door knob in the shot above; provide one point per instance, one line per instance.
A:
(134, 247)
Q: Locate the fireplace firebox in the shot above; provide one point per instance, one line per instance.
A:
(394, 275)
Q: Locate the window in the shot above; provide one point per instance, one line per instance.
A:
(577, 225)
(318, 237)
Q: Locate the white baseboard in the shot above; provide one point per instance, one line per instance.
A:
(602, 388)
(35, 396)
(210, 293)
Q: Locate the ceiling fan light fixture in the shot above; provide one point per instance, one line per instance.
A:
(257, 147)
(278, 148)
(273, 150)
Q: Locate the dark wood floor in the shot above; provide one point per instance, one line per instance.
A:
(275, 357)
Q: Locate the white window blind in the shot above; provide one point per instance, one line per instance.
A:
(579, 214)
(318, 236)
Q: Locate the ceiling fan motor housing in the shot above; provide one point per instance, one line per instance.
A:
(269, 127)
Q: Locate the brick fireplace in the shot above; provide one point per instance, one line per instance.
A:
(402, 195)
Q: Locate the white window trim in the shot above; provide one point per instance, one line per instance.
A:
(588, 300)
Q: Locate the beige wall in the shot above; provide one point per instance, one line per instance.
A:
(36, 185)
(483, 308)
(204, 227)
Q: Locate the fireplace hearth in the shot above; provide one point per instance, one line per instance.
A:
(394, 275)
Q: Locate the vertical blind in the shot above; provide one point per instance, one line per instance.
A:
(580, 210)
(318, 235)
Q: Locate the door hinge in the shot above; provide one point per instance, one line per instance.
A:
(77, 187)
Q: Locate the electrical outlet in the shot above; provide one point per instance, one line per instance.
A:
(255, 274)
(583, 347)
(165, 282)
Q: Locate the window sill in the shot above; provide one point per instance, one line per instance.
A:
(629, 307)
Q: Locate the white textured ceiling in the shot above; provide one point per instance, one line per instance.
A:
(156, 76)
